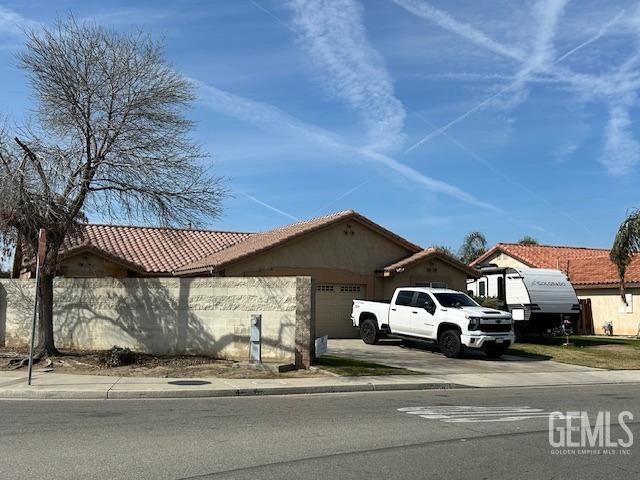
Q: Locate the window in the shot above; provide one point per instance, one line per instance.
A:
(482, 289)
(431, 284)
(324, 288)
(501, 288)
(423, 300)
(404, 298)
(349, 288)
(455, 300)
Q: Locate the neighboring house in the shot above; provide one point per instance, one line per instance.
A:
(347, 255)
(591, 273)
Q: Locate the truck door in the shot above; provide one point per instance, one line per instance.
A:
(423, 315)
(400, 313)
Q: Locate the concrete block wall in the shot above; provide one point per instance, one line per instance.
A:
(209, 316)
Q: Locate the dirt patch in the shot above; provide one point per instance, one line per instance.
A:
(181, 366)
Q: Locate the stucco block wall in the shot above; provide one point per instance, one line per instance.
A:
(209, 316)
(605, 305)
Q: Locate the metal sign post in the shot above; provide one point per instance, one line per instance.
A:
(42, 250)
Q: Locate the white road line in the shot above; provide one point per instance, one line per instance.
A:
(475, 414)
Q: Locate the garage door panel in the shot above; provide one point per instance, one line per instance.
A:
(333, 309)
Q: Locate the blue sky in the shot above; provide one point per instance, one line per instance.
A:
(433, 118)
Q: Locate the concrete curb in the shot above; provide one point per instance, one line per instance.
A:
(217, 392)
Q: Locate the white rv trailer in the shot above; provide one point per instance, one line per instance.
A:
(539, 299)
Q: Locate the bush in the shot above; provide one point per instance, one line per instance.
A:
(117, 357)
(490, 302)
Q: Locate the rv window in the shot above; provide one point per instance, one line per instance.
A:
(482, 289)
(500, 287)
(404, 297)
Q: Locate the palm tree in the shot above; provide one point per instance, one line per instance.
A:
(528, 240)
(625, 246)
(473, 245)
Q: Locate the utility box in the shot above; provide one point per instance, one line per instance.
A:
(255, 339)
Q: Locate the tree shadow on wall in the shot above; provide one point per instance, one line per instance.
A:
(151, 315)
(157, 314)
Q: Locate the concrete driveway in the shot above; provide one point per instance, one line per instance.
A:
(428, 359)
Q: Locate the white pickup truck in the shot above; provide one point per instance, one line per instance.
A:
(448, 317)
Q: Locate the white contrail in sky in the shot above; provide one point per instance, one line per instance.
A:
(275, 120)
(271, 207)
(520, 77)
(334, 35)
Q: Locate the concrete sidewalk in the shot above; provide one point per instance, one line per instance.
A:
(47, 385)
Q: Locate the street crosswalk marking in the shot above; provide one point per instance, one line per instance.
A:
(475, 414)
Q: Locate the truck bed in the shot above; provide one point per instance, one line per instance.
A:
(378, 308)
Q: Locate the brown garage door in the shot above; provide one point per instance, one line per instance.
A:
(333, 309)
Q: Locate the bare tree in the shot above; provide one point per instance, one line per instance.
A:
(110, 136)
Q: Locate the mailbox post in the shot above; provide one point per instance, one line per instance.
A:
(255, 353)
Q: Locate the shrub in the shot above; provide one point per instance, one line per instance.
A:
(117, 357)
(490, 302)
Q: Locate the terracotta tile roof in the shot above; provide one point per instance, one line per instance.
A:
(150, 249)
(261, 242)
(427, 253)
(542, 256)
(601, 272)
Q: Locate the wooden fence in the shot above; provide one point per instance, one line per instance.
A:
(585, 320)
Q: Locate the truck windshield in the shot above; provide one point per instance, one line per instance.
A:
(455, 300)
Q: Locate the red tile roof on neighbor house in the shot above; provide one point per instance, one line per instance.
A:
(261, 242)
(149, 250)
(542, 256)
(600, 272)
(423, 255)
(585, 267)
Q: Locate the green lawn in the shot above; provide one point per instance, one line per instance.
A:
(590, 351)
(348, 367)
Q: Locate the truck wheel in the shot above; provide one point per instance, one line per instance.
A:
(450, 344)
(495, 351)
(369, 332)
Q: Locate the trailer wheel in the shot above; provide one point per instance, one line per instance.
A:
(450, 344)
(495, 351)
(369, 331)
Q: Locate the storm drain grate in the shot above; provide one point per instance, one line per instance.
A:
(189, 382)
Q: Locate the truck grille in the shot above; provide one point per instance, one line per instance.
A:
(495, 327)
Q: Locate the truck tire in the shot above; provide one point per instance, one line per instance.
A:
(495, 351)
(450, 344)
(369, 331)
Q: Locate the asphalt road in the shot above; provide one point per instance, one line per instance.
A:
(362, 435)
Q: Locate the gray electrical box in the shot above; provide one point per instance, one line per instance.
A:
(255, 354)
